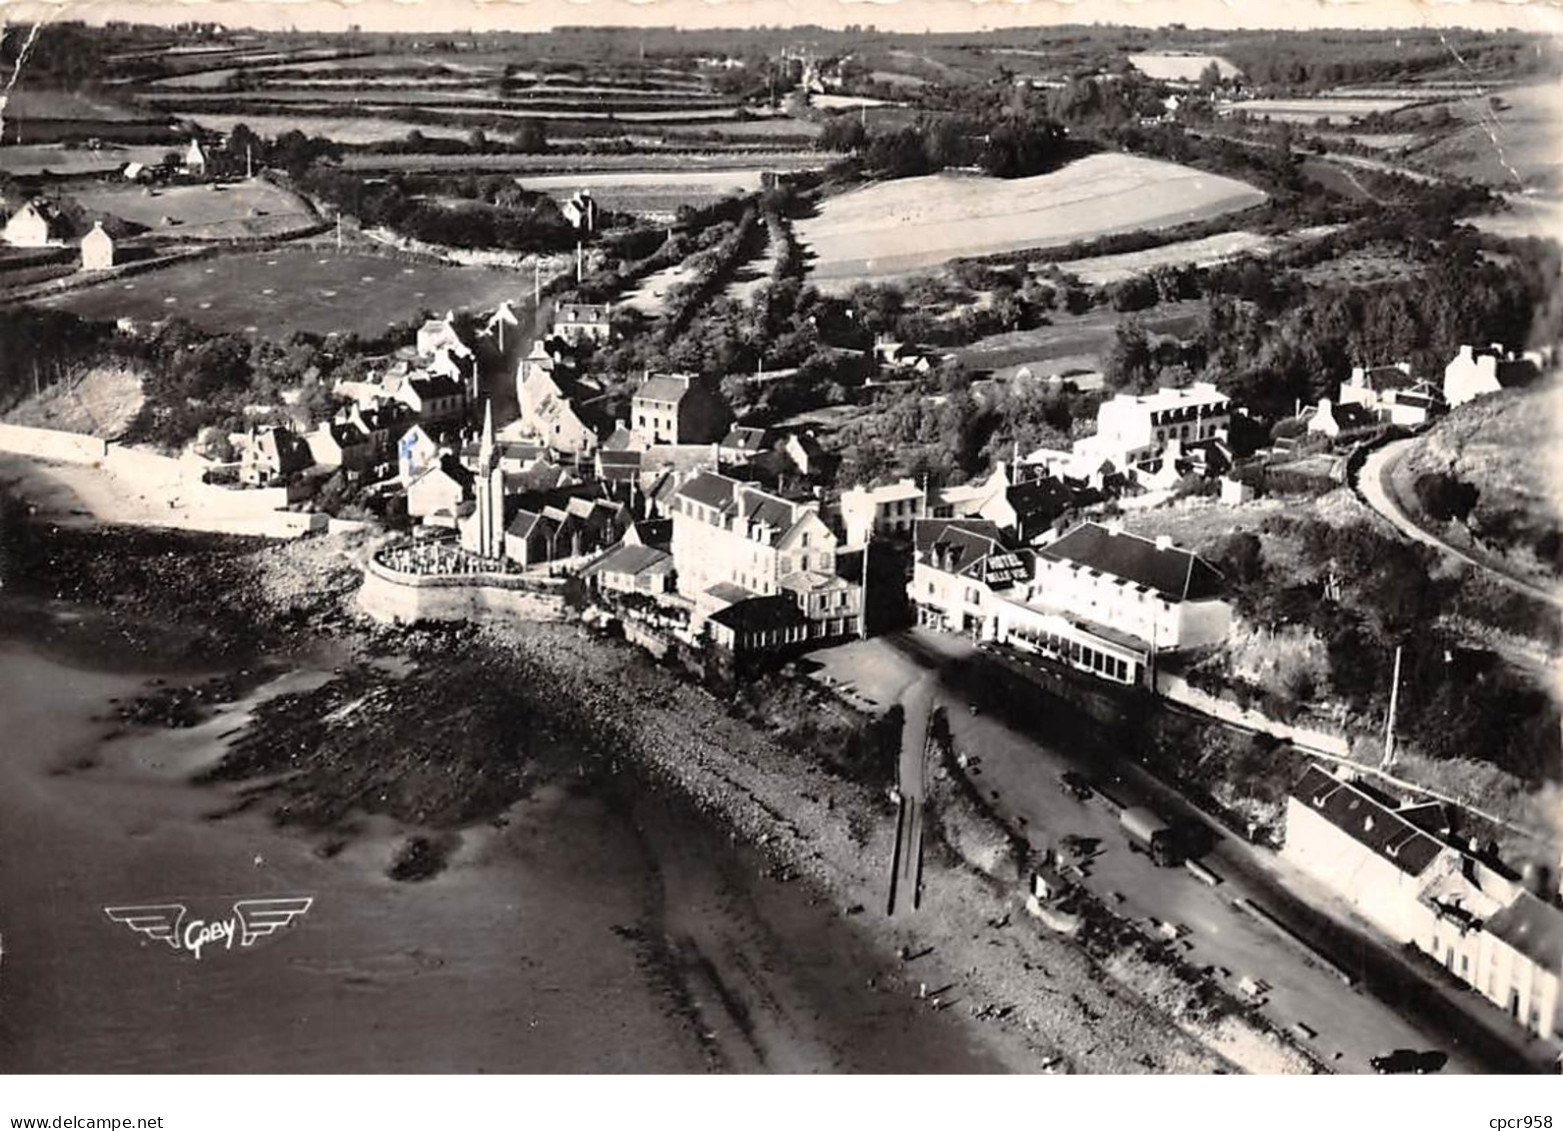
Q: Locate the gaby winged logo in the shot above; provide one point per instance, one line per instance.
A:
(252, 919)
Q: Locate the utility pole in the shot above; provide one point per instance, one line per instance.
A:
(249, 162)
(862, 620)
(1389, 726)
(537, 283)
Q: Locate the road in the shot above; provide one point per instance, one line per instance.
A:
(1019, 771)
(1372, 487)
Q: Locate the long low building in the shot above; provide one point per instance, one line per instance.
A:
(1401, 868)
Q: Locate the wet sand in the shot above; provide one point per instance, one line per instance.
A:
(575, 933)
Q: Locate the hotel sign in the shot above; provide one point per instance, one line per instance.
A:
(1001, 571)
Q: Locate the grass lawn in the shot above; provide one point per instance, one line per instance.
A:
(272, 294)
(252, 208)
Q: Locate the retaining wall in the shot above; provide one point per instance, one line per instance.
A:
(1177, 689)
(394, 598)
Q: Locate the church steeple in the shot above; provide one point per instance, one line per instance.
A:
(488, 454)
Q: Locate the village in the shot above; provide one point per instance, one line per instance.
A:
(1163, 597)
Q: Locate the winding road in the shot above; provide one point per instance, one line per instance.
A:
(1372, 488)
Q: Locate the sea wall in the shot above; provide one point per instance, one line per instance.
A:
(398, 598)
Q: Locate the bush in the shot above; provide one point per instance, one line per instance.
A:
(1444, 497)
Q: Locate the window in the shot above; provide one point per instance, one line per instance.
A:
(1465, 964)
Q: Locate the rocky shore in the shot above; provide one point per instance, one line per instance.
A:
(467, 722)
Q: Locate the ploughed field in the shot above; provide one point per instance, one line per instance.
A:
(272, 294)
(908, 226)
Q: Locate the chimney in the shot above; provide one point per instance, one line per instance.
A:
(1164, 542)
(1114, 528)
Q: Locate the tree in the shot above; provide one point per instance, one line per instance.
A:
(1128, 365)
(1210, 77)
(843, 134)
(1444, 497)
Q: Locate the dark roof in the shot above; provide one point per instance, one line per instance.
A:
(1177, 575)
(1532, 927)
(744, 438)
(760, 614)
(347, 435)
(518, 450)
(710, 489)
(628, 559)
(1520, 371)
(524, 522)
(664, 389)
(436, 385)
(618, 467)
(1368, 820)
(1040, 501)
(1385, 377)
(927, 531)
(956, 545)
(1353, 416)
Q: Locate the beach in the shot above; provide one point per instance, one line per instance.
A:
(625, 874)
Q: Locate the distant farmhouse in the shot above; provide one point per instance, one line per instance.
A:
(97, 249)
(1479, 372)
(35, 224)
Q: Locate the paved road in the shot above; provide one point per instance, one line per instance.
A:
(1371, 486)
(1391, 1006)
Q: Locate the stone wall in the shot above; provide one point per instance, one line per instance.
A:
(396, 598)
(1177, 689)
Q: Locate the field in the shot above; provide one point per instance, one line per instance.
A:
(348, 131)
(273, 294)
(253, 208)
(651, 193)
(24, 105)
(556, 163)
(1201, 253)
(1337, 111)
(1075, 342)
(1527, 216)
(1520, 145)
(27, 160)
(902, 227)
(1180, 68)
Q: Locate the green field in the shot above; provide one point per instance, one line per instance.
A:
(246, 210)
(275, 293)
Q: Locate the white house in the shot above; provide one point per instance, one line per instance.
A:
(1400, 868)
(1476, 373)
(575, 320)
(889, 510)
(959, 567)
(1107, 602)
(35, 224)
(581, 211)
(732, 542)
(415, 452)
(1134, 428)
(438, 334)
(195, 159)
(97, 249)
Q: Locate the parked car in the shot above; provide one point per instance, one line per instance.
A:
(1408, 1061)
(1076, 784)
